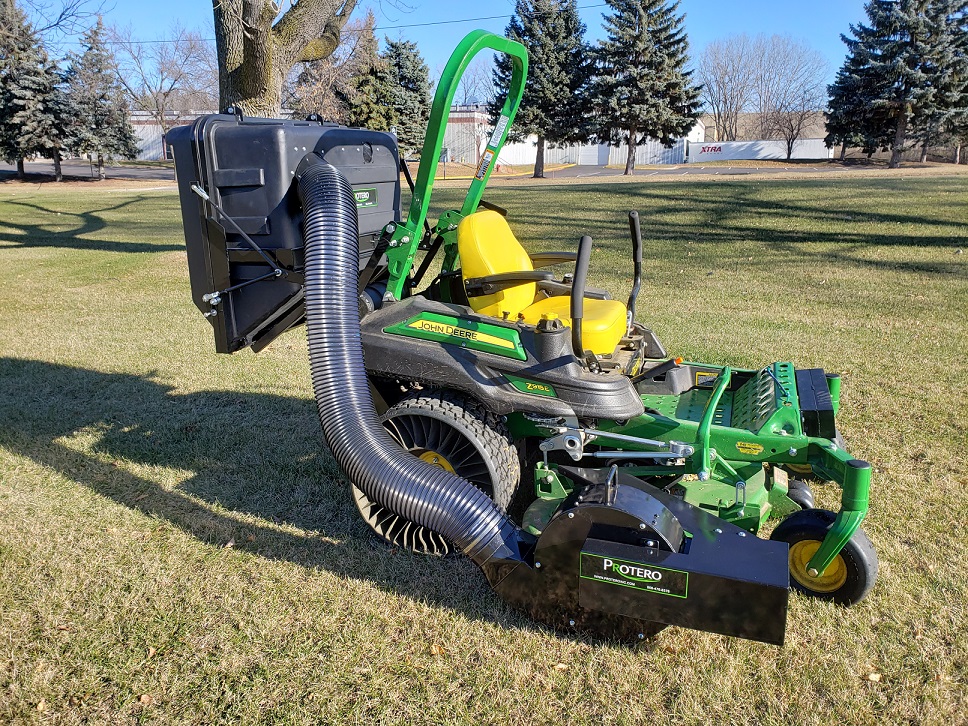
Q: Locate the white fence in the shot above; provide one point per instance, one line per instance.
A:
(649, 152)
(734, 150)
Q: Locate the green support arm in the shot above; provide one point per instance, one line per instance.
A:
(705, 424)
(406, 237)
(834, 463)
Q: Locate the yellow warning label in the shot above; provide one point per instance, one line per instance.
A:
(454, 331)
(706, 378)
(485, 164)
(749, 448)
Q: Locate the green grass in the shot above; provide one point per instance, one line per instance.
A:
(177, 546)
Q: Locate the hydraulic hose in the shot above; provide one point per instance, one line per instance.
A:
(411, 488)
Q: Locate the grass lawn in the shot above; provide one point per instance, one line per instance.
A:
(177, 546)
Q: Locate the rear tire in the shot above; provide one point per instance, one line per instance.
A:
(849, 577)
(457, 434)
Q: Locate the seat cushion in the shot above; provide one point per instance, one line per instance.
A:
(487, 246)
(602, 327)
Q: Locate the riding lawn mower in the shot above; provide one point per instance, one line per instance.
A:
(477, 402)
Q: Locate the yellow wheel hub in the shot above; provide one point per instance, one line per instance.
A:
(830, 581)
(432, 457)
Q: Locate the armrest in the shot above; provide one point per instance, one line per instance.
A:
(555, 288)
(476, 286)
(547, 259)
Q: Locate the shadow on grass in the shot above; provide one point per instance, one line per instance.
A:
(78, 237)
(255, 474)
(848, 222)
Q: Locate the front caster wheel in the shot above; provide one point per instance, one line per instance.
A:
(849, 577)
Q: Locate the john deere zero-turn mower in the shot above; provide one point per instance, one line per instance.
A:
(602, 485)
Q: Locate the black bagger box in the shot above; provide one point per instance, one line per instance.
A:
(246, 167)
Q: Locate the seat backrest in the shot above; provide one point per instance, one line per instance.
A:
(487, 246)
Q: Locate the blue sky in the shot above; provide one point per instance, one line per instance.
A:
(819, 22)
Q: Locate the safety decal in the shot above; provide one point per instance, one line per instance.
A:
(485, 164)
(502, 123)
(749, 448)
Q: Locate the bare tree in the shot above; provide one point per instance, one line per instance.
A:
(790, 90)
(259, 41)
(767, 87)
(477, 84)
(725, 70)
(323, 86)
(52, 19)
(170, 78)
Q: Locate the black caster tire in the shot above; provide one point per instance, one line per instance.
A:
(457, 434)
(849, 577)
(801, 493)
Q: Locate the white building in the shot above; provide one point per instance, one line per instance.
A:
(468, 130)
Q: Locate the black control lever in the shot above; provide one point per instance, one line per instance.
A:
(657, 371)
(636, 233)
(578, 294)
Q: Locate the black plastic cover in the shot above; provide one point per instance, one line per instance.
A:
(816, 405)
(247, 167)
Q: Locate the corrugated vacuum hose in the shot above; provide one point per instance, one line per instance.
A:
(413, 489)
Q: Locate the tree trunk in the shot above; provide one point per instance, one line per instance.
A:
(843, 151)
(58, 173)
(924, 151)
(101, 176)
(630, 159)
(789, 145)
(958, 154)
(255, 55)
(898, 147)
(21, 174)
(539, 159)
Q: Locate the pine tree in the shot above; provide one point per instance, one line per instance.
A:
(409, 92)
(945, 108)
(367, 99)
(554, 105)
(642, 89)
(101, 126)
(33, 112)
(896, 44)
(849, 118)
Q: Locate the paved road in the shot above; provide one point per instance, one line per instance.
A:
(686, 169)
(73, 168)
(83, 169)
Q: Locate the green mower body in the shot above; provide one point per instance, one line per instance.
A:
(639, 481)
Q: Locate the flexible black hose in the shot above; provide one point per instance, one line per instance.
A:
(409, 487)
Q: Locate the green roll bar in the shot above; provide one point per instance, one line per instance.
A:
(406, 237)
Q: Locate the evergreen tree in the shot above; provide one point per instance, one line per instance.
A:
(409, 92)
(945, 109)
(101, 126)
(367, 98)
(554, 106)
(898, 46)
(391, 92)
(33, 112)
(642, 89)
(849, 117)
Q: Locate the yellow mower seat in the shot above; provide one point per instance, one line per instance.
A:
(487, 246)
